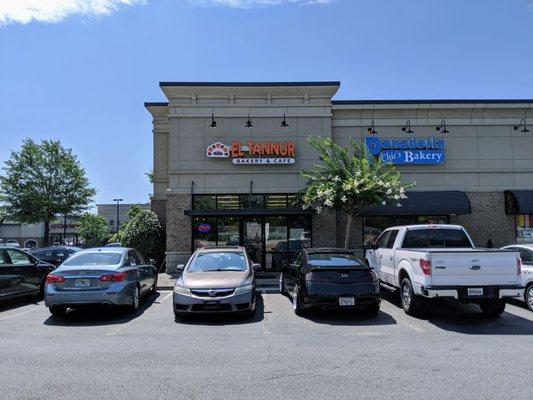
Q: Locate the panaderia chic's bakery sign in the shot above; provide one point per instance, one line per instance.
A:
(255, 153)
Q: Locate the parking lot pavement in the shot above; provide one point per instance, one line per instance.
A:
(455, 352)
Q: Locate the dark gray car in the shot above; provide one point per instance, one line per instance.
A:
(109, 276)
(216, 280)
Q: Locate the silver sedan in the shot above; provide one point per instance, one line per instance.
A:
(110, 276)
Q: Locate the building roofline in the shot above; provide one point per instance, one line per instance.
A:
(251, 84)
(156, 103)
(436, 101)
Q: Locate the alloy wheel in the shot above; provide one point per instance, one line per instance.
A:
(406, 296)
(529, 297)
(136, 298)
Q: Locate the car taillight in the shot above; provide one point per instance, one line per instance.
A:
(116, 277)
(425, 266)
(55, 278)
(518, 266)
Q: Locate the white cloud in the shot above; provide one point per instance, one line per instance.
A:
(25, 11)
(256, 3)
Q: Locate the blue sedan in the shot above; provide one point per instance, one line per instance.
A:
(110, 276)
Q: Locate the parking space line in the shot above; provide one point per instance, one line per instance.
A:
(265, 315)
(19, 314)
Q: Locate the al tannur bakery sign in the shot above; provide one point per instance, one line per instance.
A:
(255, 153)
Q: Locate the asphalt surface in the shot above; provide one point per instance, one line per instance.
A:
(455, 352)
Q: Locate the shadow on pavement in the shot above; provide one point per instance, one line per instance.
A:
(96, 316)
(227, 318)
(13, 304)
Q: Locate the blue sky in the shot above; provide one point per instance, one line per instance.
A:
(80, 71)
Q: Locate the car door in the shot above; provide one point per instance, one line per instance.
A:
(375, 256)
(147, 271)
(27, 278)
(8, 280)
(386, 257)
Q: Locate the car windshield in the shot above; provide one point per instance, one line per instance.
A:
(218, 261)
(333, 260)
(88, 259)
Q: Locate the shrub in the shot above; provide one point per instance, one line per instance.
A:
(144, 233)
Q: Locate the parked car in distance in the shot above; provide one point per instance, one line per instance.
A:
(14, 244)
(216, 280)
(54, 255)
(526, 254)
(113, 245)
(21, 274)
(441, 261)
(106, 276)
(330, 278)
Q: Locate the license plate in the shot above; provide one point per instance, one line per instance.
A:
(82, 283)
(475, 291)
(212, 304)
(346, 301)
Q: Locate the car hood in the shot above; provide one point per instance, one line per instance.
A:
(216, 280)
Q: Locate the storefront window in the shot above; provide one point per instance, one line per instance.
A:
(204, 202)
(373, 226)
(293, 202)
(299, 233)
(524, 228)
(228, 231)
(204, 232)
(228, 202)
(278, 201)
(276, 231)
(252, 201)
(432, 220)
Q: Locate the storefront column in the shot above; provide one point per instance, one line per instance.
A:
(178, 229)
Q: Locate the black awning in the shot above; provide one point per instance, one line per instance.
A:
(247, 212)
(519, 201)
(425, 203)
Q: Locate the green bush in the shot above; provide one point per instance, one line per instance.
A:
(93, 229)
(144, 233)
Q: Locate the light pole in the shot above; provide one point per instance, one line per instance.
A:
(118, 222)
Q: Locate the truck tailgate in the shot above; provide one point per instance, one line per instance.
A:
(474, 268)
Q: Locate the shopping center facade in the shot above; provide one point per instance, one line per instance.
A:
(228, 159)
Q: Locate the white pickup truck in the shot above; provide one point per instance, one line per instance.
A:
(441, 261)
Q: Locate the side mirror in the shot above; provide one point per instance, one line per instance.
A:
(152, 262)
(256, 267)
(181, 266)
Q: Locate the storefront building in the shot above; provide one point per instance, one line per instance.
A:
(228, 159)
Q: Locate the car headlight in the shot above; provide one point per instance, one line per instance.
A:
(178, 289)
(243, 289)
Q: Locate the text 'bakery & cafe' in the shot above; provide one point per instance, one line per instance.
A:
(472, 161)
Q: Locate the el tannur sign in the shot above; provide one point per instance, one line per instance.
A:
(253, 153)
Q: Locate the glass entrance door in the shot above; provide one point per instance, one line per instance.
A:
(252, 238)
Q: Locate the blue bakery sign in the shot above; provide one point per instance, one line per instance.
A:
(407, 151)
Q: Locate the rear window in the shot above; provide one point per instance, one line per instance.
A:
(333, 260)
(425, 238)
(89, 259)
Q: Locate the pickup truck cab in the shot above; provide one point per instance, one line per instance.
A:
(441, 261)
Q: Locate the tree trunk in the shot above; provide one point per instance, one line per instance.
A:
(46, 233)
(348, 227)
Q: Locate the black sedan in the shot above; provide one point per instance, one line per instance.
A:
(54, 255)
(21, 274)
(328, 278)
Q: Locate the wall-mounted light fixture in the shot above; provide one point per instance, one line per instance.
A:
(372, 129)
(248, 123)
(523, 125)
(442, 127)
(213, 122)
(284, 123)
(407, 127)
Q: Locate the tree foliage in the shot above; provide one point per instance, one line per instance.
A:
(41, 181)
(350, 179)
(144, 233)
(93, 229)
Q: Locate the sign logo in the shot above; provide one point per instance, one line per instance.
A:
(255, 153)
(204, 228)
(407, 151)
(218, 150)
(212, 293)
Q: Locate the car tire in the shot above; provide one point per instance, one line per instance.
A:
(411, 303)
(58, 311)
(493, 308)
(296, 304)
(281, 285)
(135, 301)
(528, 296)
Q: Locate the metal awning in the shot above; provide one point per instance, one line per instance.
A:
(247, 212)
(425, 203)
(519, 201)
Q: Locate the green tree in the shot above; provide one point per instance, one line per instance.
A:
(117, 236)
(144, 233)
(41, 181)
(349, 180)
(93, 229)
